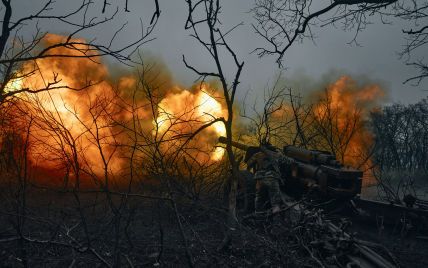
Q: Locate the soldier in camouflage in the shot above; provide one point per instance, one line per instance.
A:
(265, 164)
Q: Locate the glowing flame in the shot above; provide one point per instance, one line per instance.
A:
(91, 113)
(349, 106)
(209, 108)
(14, 85)
(334, 118)
(184, 112)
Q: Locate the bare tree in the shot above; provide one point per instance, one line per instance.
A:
(416, 36)
(401, 148)
(203, 21)
(273, 122)
(17, 149)
(283, 23)
(303, 120)
(155, 15)
(19, 50)
(335, 129)
(89, 155)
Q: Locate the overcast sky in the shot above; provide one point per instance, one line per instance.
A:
(375, 59)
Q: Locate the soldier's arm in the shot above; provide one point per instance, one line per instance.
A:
(253, 160)
(283, 159)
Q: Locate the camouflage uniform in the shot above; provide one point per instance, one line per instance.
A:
(267, 181)
(267, 178)
(249, 190)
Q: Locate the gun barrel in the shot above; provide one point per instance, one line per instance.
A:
(238, 145)
(298, 153)
(310, 157)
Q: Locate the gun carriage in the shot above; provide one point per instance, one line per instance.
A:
(312, 170)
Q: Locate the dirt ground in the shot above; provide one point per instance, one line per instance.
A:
(410, 247)
(55, 229)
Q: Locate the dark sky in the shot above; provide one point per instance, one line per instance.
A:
(375, 59)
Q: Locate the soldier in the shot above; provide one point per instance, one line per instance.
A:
(265, 164)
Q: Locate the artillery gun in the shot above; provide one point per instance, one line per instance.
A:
(312, 170)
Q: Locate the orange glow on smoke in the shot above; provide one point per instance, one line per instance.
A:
(349, 107)
(88, 114)
(184, 112)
